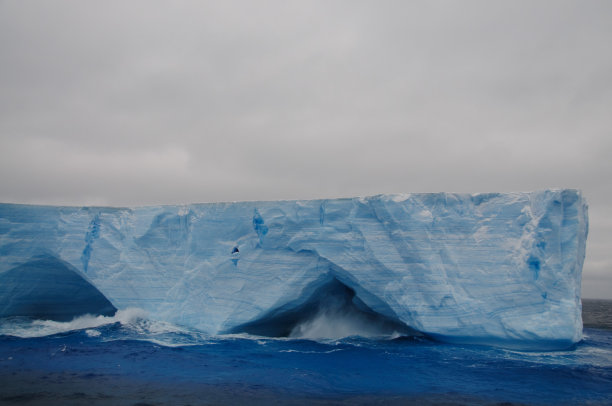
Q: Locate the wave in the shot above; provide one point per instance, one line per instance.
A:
(334, 325)
(135, 324)
(30, 328)
(127, 324)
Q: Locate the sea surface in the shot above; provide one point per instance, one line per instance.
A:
(130, 360)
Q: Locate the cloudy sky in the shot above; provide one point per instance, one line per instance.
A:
(148, 102)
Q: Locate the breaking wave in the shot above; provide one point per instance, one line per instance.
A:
(128, 324)
(333, 324)
(328, 325)
(23, 327)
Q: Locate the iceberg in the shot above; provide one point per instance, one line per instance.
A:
(499, 269)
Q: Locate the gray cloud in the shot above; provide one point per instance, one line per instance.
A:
(147, 102)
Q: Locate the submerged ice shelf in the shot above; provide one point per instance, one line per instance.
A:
(498, 269)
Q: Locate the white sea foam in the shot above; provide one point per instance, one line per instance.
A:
(313, 352)
(92, 333)
(25, 328)
(135, 325)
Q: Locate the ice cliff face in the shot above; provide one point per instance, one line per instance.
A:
(500, 269)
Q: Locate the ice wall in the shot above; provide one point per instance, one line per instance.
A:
(501, 269)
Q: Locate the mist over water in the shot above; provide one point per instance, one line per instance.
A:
(332, 326)
(334, 323)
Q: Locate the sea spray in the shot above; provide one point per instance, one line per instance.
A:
(27, 328)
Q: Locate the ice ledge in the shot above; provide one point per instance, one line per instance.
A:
(490, 268)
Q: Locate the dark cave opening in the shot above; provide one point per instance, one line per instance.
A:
(332, 311)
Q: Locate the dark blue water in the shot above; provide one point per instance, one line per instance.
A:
(129, 360)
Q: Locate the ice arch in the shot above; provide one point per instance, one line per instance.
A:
(329, 309)
(50, 289)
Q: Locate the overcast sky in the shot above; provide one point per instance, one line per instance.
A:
(147, 102)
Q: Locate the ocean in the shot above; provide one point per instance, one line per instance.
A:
(131, 360)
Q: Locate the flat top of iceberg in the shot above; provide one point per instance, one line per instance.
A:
(396, 197)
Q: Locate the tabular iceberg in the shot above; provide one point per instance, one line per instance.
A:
(496, 269)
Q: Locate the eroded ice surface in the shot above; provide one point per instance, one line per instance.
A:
(501, 269)
(49, 289)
